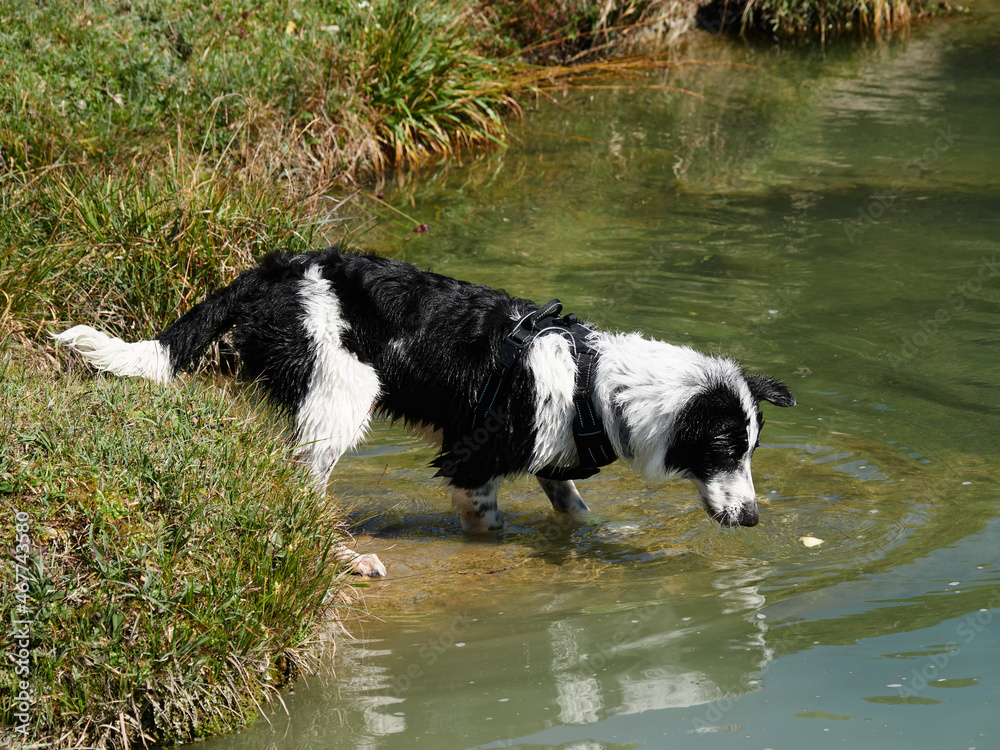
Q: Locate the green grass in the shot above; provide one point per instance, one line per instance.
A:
(132, 248)
(432, 92)
(320, 89)
(150, 151)
(177, 566)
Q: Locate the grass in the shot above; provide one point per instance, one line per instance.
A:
(148, 152)
(133, 247)
(318, 90)
(431, 91)
(818, 18)
(565, 31)
(180, 566)
(176, 569)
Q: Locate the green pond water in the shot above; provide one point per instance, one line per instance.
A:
(831, 218)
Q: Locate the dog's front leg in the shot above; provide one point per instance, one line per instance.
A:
(477, 507)
(563, 495)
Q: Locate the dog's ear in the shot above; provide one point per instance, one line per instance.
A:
(768, 389)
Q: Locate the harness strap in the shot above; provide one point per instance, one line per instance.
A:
(588, 431)
(592, 443)
(527, 328)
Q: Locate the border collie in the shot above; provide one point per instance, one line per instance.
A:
(502, 385)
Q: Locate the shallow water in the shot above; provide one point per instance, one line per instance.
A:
(828, 217)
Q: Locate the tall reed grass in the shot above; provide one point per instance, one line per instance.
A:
(135, 246)
(823, 18)
(430, 91)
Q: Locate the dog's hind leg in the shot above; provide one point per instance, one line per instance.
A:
(334, 413)
(477, 507)
(334, 409)
(328, 425)
(563, 495)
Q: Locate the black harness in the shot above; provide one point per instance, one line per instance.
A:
(592, 443)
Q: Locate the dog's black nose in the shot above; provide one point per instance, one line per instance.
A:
(748, 515)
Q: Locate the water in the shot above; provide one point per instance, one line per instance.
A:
(828, 217)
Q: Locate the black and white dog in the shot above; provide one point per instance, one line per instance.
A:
(503, 385)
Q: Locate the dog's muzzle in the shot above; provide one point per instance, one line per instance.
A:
(730, 500)
(746, 516)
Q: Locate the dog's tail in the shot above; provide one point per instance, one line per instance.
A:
(180, 345)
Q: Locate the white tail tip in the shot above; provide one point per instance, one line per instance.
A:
(143, 359)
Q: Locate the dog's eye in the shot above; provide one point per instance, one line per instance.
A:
(726, 445)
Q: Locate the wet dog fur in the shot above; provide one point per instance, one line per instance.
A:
(337, 338)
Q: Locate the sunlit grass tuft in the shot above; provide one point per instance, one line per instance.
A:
(430, 92)
(317, 92)
(131, 248)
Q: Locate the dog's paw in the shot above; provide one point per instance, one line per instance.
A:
(360, 565)
(368, 565)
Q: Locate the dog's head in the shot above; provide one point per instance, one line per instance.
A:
(714, 438)
(681, 413)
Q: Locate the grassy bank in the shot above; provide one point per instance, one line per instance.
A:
(149, 151)
(172, 569)
(177, 564)
(318, 90)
